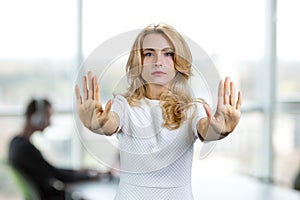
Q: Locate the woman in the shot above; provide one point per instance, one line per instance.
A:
(156, 120)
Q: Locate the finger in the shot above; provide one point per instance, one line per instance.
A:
(97, 94)
(226, 90)
(239, 101)
(232, 94)
(78, 96)
(90, 82)
(84, 88)
(207, 110)
(221, 93)
(96, 89)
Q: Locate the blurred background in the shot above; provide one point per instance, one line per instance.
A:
(256, 43)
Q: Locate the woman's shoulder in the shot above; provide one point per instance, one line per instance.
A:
(120, 101)
(120, 98)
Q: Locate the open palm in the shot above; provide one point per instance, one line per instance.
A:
(89, 108)
(228, 110)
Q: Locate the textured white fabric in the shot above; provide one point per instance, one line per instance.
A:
(155, 161)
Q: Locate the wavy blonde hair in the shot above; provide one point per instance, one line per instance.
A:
(177, 100)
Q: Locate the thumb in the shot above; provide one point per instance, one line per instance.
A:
(108, 106)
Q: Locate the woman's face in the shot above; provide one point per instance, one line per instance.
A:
(158, 60)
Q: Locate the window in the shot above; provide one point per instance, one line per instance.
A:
(41, 45)
(286, 130)
(38, 59)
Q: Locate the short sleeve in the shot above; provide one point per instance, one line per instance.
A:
(198, 114)
(119, 107)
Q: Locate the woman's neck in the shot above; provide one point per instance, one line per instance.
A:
(154, 91)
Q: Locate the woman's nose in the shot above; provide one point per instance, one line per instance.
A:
(158, 61)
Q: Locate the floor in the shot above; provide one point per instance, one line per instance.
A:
(209, 182)
(207, 185)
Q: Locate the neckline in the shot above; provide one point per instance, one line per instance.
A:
(151, 99)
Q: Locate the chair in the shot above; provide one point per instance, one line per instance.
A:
(28, 189)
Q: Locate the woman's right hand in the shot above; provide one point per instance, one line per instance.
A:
(89, 108)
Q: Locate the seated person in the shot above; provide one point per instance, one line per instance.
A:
(27, 159)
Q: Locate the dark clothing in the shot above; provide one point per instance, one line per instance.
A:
(26, 158)
(297, 182)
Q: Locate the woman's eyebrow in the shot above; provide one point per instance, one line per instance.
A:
(168, 49)
(164, 49)
(148, 49)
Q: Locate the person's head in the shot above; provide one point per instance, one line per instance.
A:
(38, 114)
(158, 48)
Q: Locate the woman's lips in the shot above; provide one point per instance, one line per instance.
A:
(158, 73)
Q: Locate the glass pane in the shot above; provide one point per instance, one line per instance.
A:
(37, 52)
(38, 47)
(287, 131)
(288, 50)
(286, 148)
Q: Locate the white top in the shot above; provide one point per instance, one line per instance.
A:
(155, 162)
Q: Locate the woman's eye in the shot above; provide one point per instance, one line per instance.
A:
(169, 54)
(148, 54)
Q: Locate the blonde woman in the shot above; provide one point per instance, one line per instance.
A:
(157, 121)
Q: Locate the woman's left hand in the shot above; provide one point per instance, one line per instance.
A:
(228, 111)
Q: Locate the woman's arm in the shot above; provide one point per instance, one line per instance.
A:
(227, 116)
(90, 110)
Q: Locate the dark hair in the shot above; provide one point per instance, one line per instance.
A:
(32, 106)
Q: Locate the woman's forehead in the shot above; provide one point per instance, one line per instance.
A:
(156, 41)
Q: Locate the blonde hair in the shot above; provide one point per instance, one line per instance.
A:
(177, 100)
